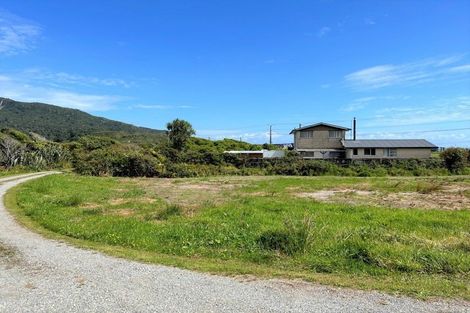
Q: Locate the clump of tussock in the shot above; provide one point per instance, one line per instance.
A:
(428, 187)
(169, 211)
(295, 238)
(71, 201)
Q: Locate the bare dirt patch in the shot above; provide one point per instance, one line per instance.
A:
(437, 200)
(123, 212)
(191, 195)
(118, 201)
(325, 195)
(446, 198)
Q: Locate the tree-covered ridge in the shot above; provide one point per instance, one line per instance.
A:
(63, 124)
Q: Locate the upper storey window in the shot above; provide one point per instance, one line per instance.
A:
(334, 133)
(306, 134)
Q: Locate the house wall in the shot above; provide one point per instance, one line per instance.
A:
(402, 153)
(322, 153)
(320, 139)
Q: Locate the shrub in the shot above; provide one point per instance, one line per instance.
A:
(317, 168)
(455, 159)
(116, 161)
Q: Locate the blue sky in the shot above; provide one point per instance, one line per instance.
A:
(232, 68)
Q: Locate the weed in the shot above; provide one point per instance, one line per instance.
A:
(71, 201)
(170, 211)
(428, 187)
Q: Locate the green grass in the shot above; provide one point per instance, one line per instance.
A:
(257, 226)
(14, 171)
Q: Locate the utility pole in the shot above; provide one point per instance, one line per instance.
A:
(270, 134)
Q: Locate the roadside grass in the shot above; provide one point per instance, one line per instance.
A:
(257, 227)
(14, 171)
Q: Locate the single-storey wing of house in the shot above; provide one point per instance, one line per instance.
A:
(388, 148)
(328, 141)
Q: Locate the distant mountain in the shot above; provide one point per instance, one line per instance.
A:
(62, 124)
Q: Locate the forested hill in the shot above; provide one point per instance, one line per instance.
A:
(62, 124)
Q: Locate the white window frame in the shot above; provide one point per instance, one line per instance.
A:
(391, 152)
(334, 134)
(370, 151)
(306, 134)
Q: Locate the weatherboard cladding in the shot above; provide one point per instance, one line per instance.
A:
(387, 143)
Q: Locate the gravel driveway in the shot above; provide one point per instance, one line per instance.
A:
(41, 275)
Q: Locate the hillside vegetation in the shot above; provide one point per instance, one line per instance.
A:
(101, 147)
(62, 124)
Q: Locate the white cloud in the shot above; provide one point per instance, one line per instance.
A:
(161, 107)
(62, 78)
(362, 103)
(460, 69)
(428, 121)
(16, 34)
(408, 73)
(21, 91)
(369, 21)
(357, 104)
(323, 31)
(255, 136)
(441, 110)
(60, 88)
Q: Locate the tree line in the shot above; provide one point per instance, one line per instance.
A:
(183, 155)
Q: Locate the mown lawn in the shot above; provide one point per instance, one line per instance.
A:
(260, 226)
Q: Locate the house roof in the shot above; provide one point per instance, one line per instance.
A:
(244, 151)
(319, 124)
(387, 143)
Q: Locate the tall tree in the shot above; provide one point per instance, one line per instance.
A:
(179, 131)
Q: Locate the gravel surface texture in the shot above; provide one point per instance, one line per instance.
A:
(42, 275)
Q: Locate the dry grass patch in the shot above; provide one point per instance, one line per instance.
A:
(426, 197)
(190, 195)
(124, 212)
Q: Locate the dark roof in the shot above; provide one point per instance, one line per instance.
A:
(388, 143)
(319, 124)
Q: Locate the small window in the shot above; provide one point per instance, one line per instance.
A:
(307, 154)
(334, 133)
(355, 151)
(390, 152)
(306, 134)
(369, 151)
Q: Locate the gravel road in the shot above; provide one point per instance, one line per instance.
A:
(42, 275)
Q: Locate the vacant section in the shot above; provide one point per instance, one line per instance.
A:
(271, 226)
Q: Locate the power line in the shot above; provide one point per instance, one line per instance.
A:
(427, 131)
